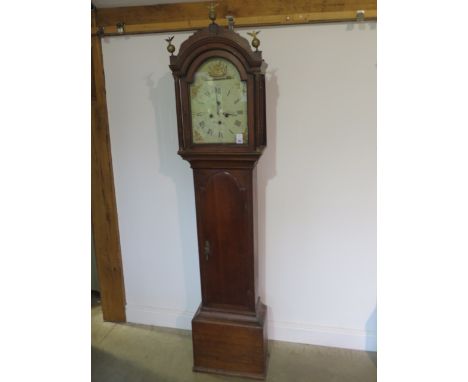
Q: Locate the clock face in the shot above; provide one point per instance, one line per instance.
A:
(218, 100)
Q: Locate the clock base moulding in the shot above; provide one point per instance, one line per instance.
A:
(230, 343)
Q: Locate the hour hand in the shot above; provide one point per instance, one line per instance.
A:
(226, 114)
(217, 104)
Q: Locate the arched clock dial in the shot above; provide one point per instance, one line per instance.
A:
(218, 100)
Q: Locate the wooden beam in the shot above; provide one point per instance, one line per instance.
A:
(190, 16)
(103, 205)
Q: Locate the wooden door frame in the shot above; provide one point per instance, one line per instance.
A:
(104, 216)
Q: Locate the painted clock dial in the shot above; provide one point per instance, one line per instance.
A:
(218, 101)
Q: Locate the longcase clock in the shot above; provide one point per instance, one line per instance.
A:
(220, 103)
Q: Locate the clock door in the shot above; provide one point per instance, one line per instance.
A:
(225, 238)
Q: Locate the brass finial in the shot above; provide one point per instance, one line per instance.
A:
(170, 47)
(212, 12)
(255, 41)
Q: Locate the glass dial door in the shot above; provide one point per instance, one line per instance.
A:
(218, 100)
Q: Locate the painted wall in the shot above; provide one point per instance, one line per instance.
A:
(317, 184)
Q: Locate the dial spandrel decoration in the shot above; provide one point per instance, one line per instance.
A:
(218, 100)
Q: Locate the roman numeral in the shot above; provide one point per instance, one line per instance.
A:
(237, 100)
(238, 123)
(210, 132)
(202, 124)
(220, 135)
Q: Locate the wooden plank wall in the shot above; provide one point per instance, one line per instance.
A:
(247, 13)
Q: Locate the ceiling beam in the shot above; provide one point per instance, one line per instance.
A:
(191, 16)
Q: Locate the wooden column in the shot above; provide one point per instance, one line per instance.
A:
(104, 209)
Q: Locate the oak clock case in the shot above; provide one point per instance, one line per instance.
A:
(220, 102)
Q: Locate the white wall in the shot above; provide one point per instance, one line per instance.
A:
(317, 184)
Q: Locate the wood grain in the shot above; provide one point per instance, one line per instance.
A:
(231, 345)
(224, 220)
(104, 209)
(191, 16)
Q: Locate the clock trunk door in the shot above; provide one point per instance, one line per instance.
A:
(225, 238)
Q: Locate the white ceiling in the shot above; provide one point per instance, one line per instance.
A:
(130, 3)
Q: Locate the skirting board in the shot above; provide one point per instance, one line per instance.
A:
(277, 330)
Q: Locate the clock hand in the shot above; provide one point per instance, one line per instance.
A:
(226, 114)
(217, 103)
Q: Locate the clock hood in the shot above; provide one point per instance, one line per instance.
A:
(205, 40)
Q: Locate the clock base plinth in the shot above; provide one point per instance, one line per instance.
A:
(230, 344)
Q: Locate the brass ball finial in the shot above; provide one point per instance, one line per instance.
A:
(170, 48)
(212, 11)
(255, 41)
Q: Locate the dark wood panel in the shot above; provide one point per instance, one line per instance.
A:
(224, 208)
(231, 347)
(103, 207)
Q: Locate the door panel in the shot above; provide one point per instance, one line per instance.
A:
(225, 240)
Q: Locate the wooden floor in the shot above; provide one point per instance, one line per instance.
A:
(138, 353)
